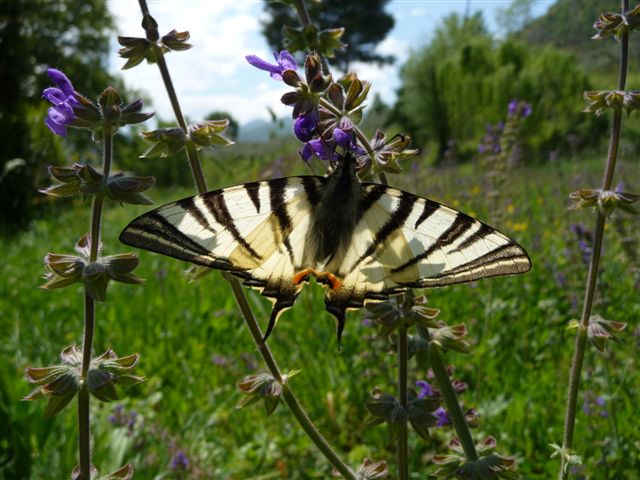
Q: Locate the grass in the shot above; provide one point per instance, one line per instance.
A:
(195, 348)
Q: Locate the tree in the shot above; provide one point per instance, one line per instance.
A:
(464, 79)
(366, 24)
(72, 35)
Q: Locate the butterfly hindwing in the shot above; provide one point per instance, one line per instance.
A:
(404, 241)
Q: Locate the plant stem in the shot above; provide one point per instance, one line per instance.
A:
(84, 419)
(403, 444)
(247, 314)
(581, 337)
(449, 396)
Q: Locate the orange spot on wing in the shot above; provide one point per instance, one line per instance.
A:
(327, 278)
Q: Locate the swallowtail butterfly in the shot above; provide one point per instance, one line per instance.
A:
(362, 241)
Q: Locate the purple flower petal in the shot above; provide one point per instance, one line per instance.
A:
(305, 126)
(442, 416)
(54, 95)
(262, 65)
(285, 60)
(306, 153)
(61, 80)
(342, 137)
(56, 128)
(426, 390)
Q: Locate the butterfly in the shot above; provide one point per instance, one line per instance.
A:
(362, 241)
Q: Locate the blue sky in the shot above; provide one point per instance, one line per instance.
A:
(214, 74)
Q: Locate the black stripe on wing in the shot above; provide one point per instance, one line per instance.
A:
(396, 221)
(217, 206)
(279, 210)
(460, 225)
(154, 232)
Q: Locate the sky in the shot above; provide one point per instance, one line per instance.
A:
(214, 74)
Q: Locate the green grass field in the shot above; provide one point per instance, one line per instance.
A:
(195, 348)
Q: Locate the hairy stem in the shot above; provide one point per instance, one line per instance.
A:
(84, 419)
(403, 444)
(581, 338)
(247, 314)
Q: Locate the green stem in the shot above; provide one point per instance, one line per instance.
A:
(84, 419)
(449, 397)
(247, 314)
(581, 338)
(403, 443)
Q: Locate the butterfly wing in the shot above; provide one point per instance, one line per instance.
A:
(257, 231)
(404, 241)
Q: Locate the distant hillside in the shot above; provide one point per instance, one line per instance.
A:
(568, 24)
(260, 131)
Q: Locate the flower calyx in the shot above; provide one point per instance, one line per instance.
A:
(109, 370)
(137, 49)
(489, 465)
(387, 153)
(59, 383)
(566, 455)
(308, 37)
(617, 24)
(451, 338)
(307, 92)
(123, 473)
(385, 408)
(207, 133)
(164, 142)
(600, 331)
(599, 100)
(370, 470)
(406, 309)
(263, 386)
(604, 200)
(64, 270)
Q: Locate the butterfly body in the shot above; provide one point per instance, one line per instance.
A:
(362, 241)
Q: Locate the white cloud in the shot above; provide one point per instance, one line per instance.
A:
(417, 12)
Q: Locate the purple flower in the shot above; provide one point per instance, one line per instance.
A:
(319, 148)
(284, 59)
(426, 390)
(526, 110)
(305, 126)
(442, 416)
(513, 107)
(179, 461)
(63, 98)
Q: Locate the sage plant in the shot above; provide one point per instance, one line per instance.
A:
(80, 374)
(594, 328)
